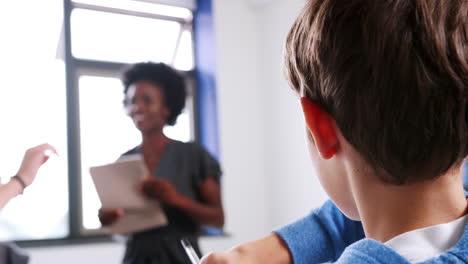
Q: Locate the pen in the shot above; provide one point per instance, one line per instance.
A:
(192, 255)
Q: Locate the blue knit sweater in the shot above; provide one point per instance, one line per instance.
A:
(326, 235)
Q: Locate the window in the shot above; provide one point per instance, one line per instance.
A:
(81, 114)
(33, 112)
(104, 37)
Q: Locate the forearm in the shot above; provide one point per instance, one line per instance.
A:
(9, 191)
(270, 249)
(202, 213)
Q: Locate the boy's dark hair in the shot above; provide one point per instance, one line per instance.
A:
(169, 80)
(394, 76)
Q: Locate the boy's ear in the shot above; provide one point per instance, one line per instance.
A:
(321, 126)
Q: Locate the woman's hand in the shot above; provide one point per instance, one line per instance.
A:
(161, 190)
(33, 160)
(110, 216)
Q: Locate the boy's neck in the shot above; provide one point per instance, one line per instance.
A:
(388, 210)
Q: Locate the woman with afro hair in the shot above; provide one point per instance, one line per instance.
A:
(184, 177)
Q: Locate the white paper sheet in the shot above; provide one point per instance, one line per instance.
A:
(117, 187)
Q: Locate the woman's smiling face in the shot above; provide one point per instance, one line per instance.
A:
(146, 106)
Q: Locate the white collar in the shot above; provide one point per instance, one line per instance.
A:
(430, 242)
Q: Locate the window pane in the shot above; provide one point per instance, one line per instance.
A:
(182, 130)
(113, 37)
(184, 57)
(34, 112)
(107, 132)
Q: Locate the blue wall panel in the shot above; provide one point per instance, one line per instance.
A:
(205, 62)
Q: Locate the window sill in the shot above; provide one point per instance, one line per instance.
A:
(95, 239)
(66, 241)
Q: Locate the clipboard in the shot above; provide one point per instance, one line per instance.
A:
(116, 185)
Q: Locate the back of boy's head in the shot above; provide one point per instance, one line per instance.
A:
(394, 76)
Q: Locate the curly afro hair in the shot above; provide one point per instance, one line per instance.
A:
(169, 80)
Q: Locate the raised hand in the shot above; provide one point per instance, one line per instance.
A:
(32, 161)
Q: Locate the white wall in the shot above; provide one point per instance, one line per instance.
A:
(94, 253)
(293, 189)
(267, 180)
(240, 116)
